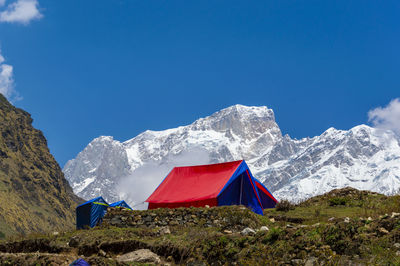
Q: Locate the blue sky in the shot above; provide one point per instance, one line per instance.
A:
(103, 67)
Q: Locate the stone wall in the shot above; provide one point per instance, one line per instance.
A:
(226, 217)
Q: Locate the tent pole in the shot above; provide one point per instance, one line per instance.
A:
(241, 190)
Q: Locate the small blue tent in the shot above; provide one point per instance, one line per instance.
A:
(79, 262)
(121, 204)
(91, 212)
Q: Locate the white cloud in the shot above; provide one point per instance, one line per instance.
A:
(21, 11)
(7, 81)
(387, 117)
(138, 186)
(2, 2)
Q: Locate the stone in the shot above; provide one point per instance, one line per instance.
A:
(369, 219)
(264, 228)
(248, 231)
(272, 220)
(116, 220)
(207, 206)
(331, 219)
(147, 219)
(74, 241)
(140, 255)
(396, 245)
(311, 262)
(56, 233)
(383, 230)
(395, 214)
(289, 226)
(173, 223)
(297, 262)
(102, 253)
(164, 230)
(227, 232)
(347, 220)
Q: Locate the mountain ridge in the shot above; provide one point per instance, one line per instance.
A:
(289, 167)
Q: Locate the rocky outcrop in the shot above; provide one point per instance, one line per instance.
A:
(34, 195)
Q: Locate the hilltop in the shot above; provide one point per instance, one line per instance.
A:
(341, 227)
(34, 195)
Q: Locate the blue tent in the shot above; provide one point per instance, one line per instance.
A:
(121, 204)
(91, 212)
(79, 262)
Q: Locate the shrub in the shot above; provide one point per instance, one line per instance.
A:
(284, 205)
(272, 235)
(337, 201)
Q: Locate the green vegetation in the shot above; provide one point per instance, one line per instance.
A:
(284, 205)
(312, 231)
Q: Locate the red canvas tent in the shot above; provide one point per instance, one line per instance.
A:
(228, 183)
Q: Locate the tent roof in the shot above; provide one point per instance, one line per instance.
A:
(116, 203)
(120, 203)
(98, 199)
(193, 183)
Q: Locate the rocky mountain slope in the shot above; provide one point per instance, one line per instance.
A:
(34, 195)
(362, 157)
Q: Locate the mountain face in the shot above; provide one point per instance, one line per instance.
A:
(362, 157)
(34, 195)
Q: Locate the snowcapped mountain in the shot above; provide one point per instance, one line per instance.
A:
(362, 157)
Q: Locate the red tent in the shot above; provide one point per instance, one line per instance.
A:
(228, 183)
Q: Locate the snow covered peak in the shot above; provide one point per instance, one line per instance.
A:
(361, 157)
(103, 139)
(245, 122)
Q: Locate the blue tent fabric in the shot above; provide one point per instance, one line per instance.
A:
(121, 204)
(79, 262)
(267, 200)
(90, 213)
(241, 190)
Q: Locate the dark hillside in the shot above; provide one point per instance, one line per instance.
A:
(34, 195)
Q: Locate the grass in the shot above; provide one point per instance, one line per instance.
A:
(333, 241)
(361, 204)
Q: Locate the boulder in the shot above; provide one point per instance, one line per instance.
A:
(140, 255)
(164, 230)
(248, 231)
(264, 228)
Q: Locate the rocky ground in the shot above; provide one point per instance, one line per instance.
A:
(343, 227)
